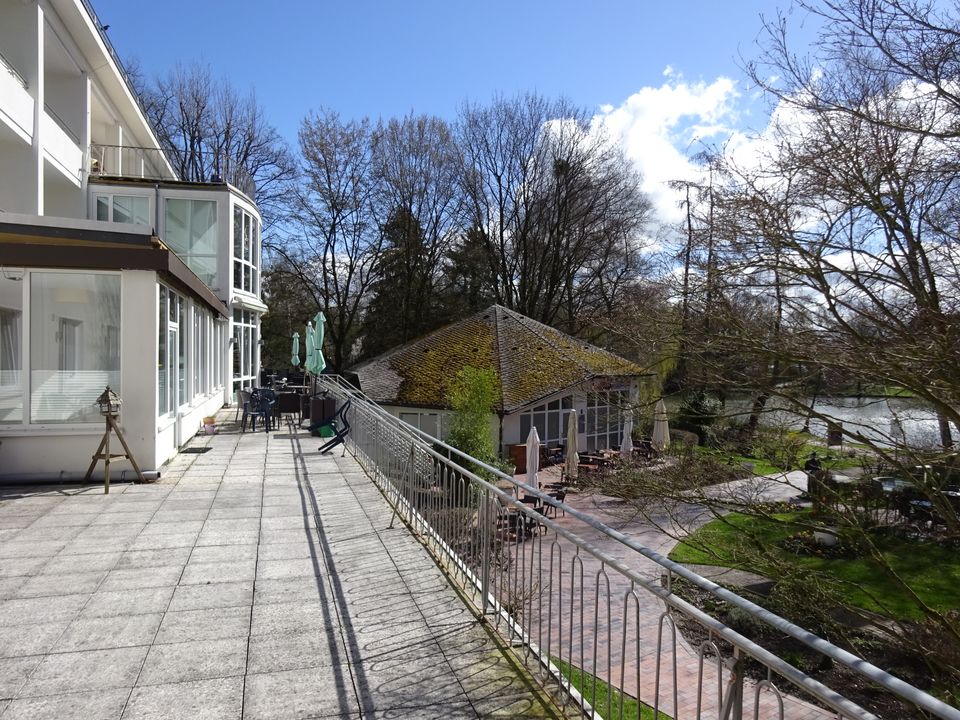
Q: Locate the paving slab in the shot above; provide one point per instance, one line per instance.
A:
(258, 580)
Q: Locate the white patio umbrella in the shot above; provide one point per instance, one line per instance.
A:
(626, 442)
(571, 462)
(661, 427)
(533, 457)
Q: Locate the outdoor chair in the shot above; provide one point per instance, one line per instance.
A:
(341, 428)
(515, 525)
(243, 403)
(559, 496)
(289, 403)
(262, 402)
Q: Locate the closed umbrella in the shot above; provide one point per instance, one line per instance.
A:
(661, 427)
(310, 343)
(315, 363)
(572, 461)
(295, 351)
(533, 457)
(626, 442)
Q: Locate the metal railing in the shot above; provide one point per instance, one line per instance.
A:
(150, 164)
(128, 161)
(8, 66)
(564, 602)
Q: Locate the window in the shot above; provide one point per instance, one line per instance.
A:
(550, 420)
(246, 251)
(431, 423)
(190, 230)
(11, 346)
(74, 344)
(605, 419)
(124, 209)
(163, 369)
(245, 356)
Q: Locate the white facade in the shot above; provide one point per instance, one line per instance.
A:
(80, 165)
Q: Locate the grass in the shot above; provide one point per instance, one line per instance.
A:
(764, 467)
(760, 467)
(583, 682)
(932, 571)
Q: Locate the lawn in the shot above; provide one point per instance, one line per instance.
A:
(583, 682)
(763, 467)
(933, 571)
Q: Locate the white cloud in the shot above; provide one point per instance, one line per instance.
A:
(661, 127)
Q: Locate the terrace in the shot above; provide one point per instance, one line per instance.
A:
(260, 579)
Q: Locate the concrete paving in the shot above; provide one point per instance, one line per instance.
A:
(255, 580)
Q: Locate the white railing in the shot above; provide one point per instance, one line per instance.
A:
(564, 602)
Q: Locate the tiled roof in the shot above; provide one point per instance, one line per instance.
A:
(531, 360)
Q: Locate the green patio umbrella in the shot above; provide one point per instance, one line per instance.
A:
(310, 344)
(315, 362)
(295, 352)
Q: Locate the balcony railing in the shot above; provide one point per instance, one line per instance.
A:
(564, 602)
(150, 164)
(128, 161)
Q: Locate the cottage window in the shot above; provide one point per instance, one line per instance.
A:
(550, 420)
(605, 419)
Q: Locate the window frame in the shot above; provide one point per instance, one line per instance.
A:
(245, 228)
(26, 425)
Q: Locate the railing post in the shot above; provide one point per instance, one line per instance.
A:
(485, 540)
(733, 702)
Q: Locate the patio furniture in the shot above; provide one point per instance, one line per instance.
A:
(289, 403)
(243, 398)
(261, 404)
(341, 428)
(559, 496)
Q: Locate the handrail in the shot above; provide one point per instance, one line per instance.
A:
(8, 66)
(61, 123)
(426, 444)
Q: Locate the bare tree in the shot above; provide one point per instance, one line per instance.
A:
(212, 131)
(338, 238)
(556, 203)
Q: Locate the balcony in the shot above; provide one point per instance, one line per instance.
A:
(61, 146)
(16, 106)
(124, 161)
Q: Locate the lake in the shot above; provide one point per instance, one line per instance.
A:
(877, 418)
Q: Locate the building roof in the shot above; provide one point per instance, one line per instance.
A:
(53, 242)
(531, 360)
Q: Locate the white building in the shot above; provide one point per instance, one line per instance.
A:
(112, 270)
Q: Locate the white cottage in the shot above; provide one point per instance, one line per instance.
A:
(542, 373)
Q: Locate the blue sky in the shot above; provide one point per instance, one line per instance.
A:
(381, 59)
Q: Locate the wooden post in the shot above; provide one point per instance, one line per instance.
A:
(103, 453)
(106, 458)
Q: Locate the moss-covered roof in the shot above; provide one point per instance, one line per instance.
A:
(531, 360)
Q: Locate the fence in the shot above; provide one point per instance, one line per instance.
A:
(577, 615)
